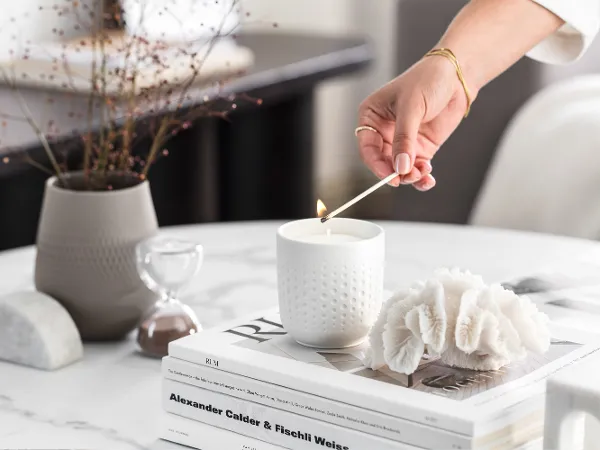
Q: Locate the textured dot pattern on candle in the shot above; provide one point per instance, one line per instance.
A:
(330, 287)
(331, 299)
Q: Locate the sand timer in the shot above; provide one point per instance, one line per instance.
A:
(167, 265)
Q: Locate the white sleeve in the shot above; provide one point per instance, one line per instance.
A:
(569, 43)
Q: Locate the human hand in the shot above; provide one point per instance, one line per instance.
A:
(414, 114)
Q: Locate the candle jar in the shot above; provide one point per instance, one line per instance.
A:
(330, 280)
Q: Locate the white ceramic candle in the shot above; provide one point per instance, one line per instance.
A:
(330, 280)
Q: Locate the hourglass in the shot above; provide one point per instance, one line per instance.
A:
(167, 265)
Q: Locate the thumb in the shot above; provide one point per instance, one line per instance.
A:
(409, 114)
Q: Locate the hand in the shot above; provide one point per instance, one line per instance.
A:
(414, 113)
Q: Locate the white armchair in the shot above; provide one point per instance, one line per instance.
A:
(545, 175)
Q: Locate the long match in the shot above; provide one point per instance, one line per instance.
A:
(359, 197)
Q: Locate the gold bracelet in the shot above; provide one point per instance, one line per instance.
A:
(447, 53)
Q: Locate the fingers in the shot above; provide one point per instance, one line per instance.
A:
(375, 147)
(395, 137)
(421, 168)
(420, 175)
(372, 154)
(409, 114)
(424, 184)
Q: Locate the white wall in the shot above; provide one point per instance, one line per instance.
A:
(337, 100)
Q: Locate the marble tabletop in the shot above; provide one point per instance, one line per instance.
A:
(110, 399)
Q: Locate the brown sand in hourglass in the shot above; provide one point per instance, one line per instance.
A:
(155, 333)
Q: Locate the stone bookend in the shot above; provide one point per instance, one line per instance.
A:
(36, 331)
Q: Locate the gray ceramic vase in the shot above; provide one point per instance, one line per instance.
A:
(86, 255)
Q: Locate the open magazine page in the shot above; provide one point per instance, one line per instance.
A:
(569, 293)
(432, 376)
(582, 273)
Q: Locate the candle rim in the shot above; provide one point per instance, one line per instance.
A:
(376, 231)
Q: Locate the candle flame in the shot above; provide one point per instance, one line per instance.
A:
(321, 208)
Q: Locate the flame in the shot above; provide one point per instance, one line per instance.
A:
(321, 208)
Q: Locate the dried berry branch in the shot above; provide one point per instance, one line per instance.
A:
(28, 116)
(146, 95)
(29, 160)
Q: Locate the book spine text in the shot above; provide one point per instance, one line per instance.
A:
(312, 406)
(217, 357)
(192, 433)
(266, 424)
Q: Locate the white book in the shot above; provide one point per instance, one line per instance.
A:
(193, 433)
(312, 406)
(474, 404)
(266, 424)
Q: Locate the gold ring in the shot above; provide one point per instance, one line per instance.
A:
(365, 127)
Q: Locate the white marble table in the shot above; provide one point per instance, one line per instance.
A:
(111, 398)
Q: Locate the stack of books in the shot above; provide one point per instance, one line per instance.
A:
(249, 385)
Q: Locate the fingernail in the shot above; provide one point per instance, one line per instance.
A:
(431, 182)
(427, 185)
(402, 164)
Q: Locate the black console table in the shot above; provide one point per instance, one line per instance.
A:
(255, 166)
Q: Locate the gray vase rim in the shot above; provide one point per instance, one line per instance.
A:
(51, 183)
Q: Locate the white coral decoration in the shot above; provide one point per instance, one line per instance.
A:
(457, 317)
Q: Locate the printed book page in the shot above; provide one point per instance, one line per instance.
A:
(575, 279)
(432, 376)
(568, 293)
(265, 335)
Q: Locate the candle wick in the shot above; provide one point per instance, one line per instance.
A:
(328, 232)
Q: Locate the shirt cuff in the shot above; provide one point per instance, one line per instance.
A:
(570, 42)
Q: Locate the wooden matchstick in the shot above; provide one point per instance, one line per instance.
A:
(359, 197)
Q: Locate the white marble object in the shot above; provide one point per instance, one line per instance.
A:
(36, 331)
(572, 396)
(110, 398)
(455, 316)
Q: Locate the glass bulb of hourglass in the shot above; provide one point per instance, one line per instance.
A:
(167, 266)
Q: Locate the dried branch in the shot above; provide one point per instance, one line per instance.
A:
(29, 160)
(34, 126)
(123, 104)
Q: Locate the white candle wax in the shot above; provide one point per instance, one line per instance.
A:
(328, 238)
